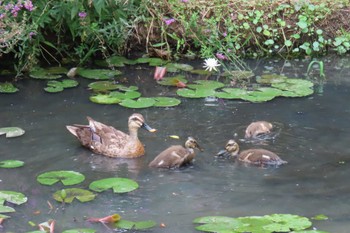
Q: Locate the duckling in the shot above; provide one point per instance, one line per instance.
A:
(177, 155)
(251, 156)
(258, 128)
(106, 140)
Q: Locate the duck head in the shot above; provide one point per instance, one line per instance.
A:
(231, 149)
(192, 143)
(137, 121)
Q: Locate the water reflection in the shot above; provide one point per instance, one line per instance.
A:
(312, 135)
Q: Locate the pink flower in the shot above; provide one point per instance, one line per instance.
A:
(28, 5)
(82, 14)
(220, 56)
(184, 1)
(169, 21)
(31, 34)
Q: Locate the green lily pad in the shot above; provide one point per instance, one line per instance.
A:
(174, 67)
(125, 95)
(4, 216)
(238, 74)
(257, 96)
(320, 217)
(220, 227)
(57, 70)
(166, 102)
(214, 219)
(68, 195)
(139, 103)
(12, 132)
(66, 83)
(54, 89)
(172, 81)
(119, 61)
(129, 225)
(254, 224)
(295, 87)
(6, 209)
(231, 93)
(201, 72)
(13, 197)
(287, 222)
(103, 86)
(11, 163)
(310, 231)
(66, 177)
(41, 73)
(119, 185)
(105, 99)
(8, 88)
(206, 84)
(130, 88)
(80, 230)
(98, 74)
(271, 78)
(197, 93)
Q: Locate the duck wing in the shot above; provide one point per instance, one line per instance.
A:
(173, 156)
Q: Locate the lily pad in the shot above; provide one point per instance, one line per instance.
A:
(238, 74)
(103, 86)
(197, 93)
(130, 88)
(214, 219)
(119, 61)
(13, 197)
(119, 185)
(201, 72)
(271, 78)
(129, 225)
(66, 177)
(174, 67)
(2, 216)
(172, 81)
(105, 99)
(166, 102)
(320, 217)
(139, 103)
(57, 70)
(98, 74)
(295, 87)
(80, 230)
(6, 209)
(231, 93)
(206, 84)
(12, 132)
(125, 95)
(68, 195)
(41, 73)
(8, 88)
(54, 89)
(287, 222)
(11, 163)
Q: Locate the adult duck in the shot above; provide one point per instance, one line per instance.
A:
(251, 156)
(258, 128)
(177, 155)
(106, 140)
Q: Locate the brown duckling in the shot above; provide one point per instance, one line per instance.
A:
(177, 155)
(258, 128)
(251, 156)
(108, 141)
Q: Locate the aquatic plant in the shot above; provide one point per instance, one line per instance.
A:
(11, 163)
(11, 132)
(119, 185)
(8, 87)
(54, 86)
(66, 177)
(68, 195)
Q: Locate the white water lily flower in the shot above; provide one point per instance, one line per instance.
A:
(211, 64)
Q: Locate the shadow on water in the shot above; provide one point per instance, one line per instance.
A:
(313, 137)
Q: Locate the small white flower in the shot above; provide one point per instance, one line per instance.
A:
(211, 64)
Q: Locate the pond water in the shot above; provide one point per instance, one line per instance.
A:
(314, 139)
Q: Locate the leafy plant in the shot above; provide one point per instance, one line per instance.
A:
(130, 225)
(7, 88)
(12, 132)
(68, 195)
(11, 163)
(66, 177)
(119, 185)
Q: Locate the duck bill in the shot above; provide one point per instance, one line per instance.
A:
(148, 128)
(223, 153)
(199, 148)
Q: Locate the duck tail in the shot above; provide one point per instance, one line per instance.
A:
(72, 129)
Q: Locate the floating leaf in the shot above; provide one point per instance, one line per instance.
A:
(13, 197)
(105, 99)
(103, 86)
(166, 102)
(125, 95)
(68, 195)
(54, 89)
(151, 61)
(66, 177)
(198, 93)
(41, 73)
(119, 61)
(68, 83)
(214, 219)
(139, 103)
(206, 84)
(172, 81)
(12, 132)
(220, 227)
(231, 93)
(174, 67)
(80, 230)
(271, 78)
(287, 222)
(119, 185)
(11, 163)
(7, 88)
(58, 86)
(130, 88)
(98, 74)
(295, 87)
(4, 216)
(129, 225)
(6, 209)
(57, 70)
(320, 217)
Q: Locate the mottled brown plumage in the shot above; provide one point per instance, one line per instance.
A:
(257, 128)
(108, 141)
(251, 156)
(177, 155)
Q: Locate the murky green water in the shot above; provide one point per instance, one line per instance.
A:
(314, 139)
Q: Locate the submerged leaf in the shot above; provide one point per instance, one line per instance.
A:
(73, 193)
(66, 177)
(12, 132)
(119, 185)
(11, 163)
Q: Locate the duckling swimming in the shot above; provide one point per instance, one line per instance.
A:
(106, 140)
(177, 155)
(251, 156)
(258, 128)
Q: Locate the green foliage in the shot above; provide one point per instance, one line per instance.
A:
(66, 177)
(130, 225)
(12, 197)
(7, 88)
(68, 195)
(119, 185)
(12, 132)
(11, 163)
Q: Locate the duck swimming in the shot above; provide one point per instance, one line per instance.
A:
(257, 128)
(251, 156)
(177, 155)
(106, 140)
